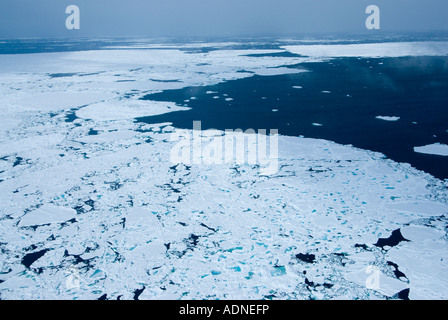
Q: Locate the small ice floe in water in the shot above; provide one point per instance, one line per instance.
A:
(274, 110)
(326, 91)
(297, 87)
(193, 98)
(388, 118)
(435, 148)
(317, 124)
(229, 99)
(215, 97)
(211, 92)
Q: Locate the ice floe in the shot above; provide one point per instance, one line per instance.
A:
(126, 109)
(54, 101)
(372, 50)
(388, 118)
(439, 149)
(276, 71)
(46, 215)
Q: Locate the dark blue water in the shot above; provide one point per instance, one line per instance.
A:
(412, 88)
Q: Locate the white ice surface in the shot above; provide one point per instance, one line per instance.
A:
(372, 50)
(439, 149)
(387, 285)
(417, 233)
(276, 71)
(422, 207)
(54, 101)
(127, 109)
(46, 215)
(388, 118)
(138, 217)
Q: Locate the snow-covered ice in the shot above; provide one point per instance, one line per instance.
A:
(47, 215)
(388, 118)
(439, 149)
(126, 109)
(85, 187)
(372, 50)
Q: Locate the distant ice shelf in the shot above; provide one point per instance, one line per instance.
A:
(372, 50)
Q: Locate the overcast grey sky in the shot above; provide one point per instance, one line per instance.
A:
(46, 18)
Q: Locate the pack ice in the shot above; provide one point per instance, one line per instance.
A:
(90, 205)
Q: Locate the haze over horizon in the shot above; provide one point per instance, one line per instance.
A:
(176, 18)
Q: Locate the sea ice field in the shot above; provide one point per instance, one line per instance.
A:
(92, 207)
